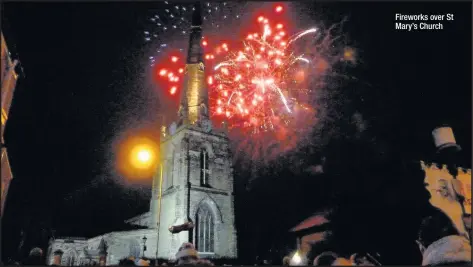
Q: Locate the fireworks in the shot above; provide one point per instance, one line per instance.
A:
(167, 35)
(263, 81)
(168, 25)
(259, 85)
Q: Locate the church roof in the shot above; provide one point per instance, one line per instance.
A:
(137, 218)
(75, 238)
(121, 228)
(128, 227)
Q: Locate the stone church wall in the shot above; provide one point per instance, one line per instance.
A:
(126, 244)
(69, 247)
(221, 205)
(169, 208)
(219, 192)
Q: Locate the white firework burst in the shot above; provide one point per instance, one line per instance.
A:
(170, 22)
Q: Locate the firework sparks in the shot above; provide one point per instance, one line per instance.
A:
(256, 86)
(265, 83)
(171, 21)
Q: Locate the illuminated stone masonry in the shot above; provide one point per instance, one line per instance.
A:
(211, 178)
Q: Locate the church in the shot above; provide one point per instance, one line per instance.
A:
(194, 186)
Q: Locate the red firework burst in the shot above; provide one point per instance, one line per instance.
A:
(264, 83)
(260, 86)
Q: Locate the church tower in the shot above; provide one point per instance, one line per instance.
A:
(196, 179)
(194, 102)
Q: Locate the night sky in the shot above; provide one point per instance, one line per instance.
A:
(85, 85)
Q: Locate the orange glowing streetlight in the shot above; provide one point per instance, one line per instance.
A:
(137, 158)
(142, 156)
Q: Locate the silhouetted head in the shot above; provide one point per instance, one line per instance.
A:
(35, 257)
(126, 262)
(36, 252)
(187, 254)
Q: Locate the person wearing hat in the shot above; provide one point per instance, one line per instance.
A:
(187, 255)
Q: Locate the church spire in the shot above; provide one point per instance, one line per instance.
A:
(194, 98)
(194, 54)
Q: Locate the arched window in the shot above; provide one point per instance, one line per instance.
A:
(204, 168)
(205, 230)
